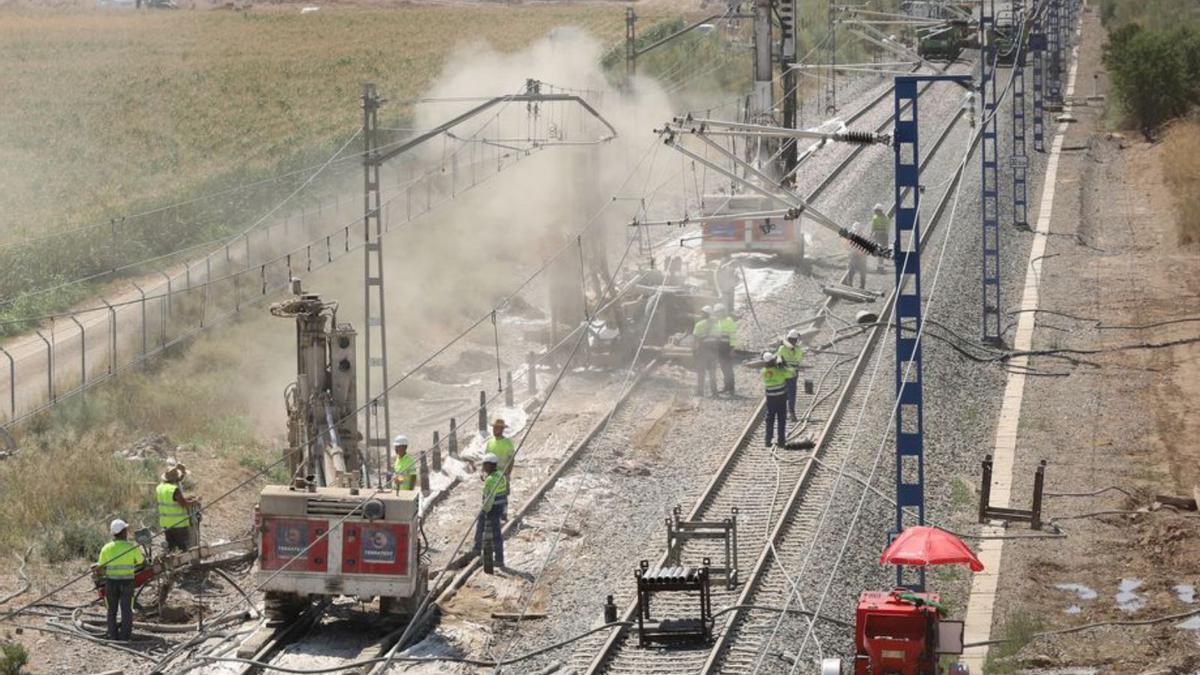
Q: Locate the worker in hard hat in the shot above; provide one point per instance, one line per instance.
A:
(494, 508)
(791, 353)
(501, 446)
(118, 563)
(727, 327)
(881, 227)
(774, 377)
(725, 281)
(404, 469)
(173, 508)
(706, 337)
(857, 264)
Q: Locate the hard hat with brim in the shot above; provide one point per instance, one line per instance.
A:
(400, 440)
(491, 459)
(118, 526)
(174, 474)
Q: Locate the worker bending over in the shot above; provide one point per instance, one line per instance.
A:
(494, 508)
(881, 227)
(790, 354)
(119, 561)
(774, 378)
(727, 328)
(857, 263)
(706, 336)
(404, 469)
(173, 508)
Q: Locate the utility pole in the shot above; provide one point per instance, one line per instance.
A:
(787, 58)
(831, 59)
(763, 103)
(376, 435)
(1019, 159)
(989, 179)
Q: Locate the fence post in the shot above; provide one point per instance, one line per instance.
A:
(436, 451)
(142, 292)
(187, 274)
(531, 373)
(452, 441)
(508, 392)
(985, 489)
(423, 475)
(82, 352)
(168, 278)
(1039, 479)
(12, 384)
(483, 425)
(49, 364)
(112, 336)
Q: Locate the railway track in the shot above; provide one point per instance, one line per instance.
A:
(738, 483)
(777, 523)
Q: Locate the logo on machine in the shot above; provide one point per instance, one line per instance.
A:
(291, 539)
(379, 545)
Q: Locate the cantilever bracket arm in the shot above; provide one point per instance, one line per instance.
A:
(692, 125)
(515, 98)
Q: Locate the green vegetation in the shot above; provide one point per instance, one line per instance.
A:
(109, 113)
(1020, 626)
(13, 658)
(1153, 57)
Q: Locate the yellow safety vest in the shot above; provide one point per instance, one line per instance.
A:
(880, 224)
(405, 469)
(170, 513)
(728, 328)
(792, 356)
(503, 449)
(775, 380)
(120, 559)
(494, 486)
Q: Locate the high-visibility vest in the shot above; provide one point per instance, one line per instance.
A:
(792, 356)
(120, 559)
(880, 223)
(503, 449)
(495, 486)
(170, 513)
(775, 380)
(405, 469)
(705, 330)
(728, 328)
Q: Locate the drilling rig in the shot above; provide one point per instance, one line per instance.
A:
(332, 531)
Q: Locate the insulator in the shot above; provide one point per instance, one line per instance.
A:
(862, 243)
(860, 137)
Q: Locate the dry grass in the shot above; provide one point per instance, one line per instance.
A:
(105, 110)
(1181, 168)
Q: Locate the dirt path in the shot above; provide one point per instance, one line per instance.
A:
(1124, 419)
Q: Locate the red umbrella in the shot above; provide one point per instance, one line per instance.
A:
(921, 545)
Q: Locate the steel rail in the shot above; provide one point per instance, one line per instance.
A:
(711, 491)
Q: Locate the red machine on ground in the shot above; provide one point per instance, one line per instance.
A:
(901, 633)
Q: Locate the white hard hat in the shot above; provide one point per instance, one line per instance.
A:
(400, 439)
(793, 334)
(491, 459)
(117, 526)
(769, 357)
(879, 207)
(707, 309)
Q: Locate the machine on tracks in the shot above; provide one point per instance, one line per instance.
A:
(335, 529)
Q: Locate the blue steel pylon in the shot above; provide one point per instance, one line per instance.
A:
(1054, 51)
(989, 184)
(910, 425)
(1019, 159)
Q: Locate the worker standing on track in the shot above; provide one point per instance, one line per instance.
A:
(404, 470)
(173, 508)
(881, 227)
(493, 510)
(725, 280)
(706, 336)
(774, 377)
(791, 354)
(727, 327)
(857, 263)
(501, 446)
(119, 561)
